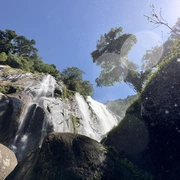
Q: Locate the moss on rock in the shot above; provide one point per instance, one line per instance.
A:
(10, 89)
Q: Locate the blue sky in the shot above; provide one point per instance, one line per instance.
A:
(66, 31)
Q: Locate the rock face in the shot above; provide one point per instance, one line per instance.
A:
(63, 156)
(35, 105)
(8, 161)
(150, 131)
(4, 101)
(69, 156)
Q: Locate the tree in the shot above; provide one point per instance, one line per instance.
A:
(111, 42)
(7, 41)
(40, 66)
(10, 42)
(72, 78)
(106, 55)
(20, 52)
(137, 79)
(71, 73)
(17, 62)
(115, 66)
(24, 47)
(151, 58)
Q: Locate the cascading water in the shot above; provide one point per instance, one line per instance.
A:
(106, 121)
(44, 113)
(80, 117)
(88, 125)
(101, 123)
(36, 94)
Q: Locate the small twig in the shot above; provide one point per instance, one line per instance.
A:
(159, 20)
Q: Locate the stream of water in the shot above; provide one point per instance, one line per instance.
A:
(43, 110)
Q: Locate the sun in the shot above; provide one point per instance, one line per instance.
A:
(171, 11)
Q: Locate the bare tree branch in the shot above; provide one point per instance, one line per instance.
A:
(158, 20)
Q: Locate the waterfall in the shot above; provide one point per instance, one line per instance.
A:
(106, 121)
(43, 113)
(97, 120)
(88, 124)
(36, 91)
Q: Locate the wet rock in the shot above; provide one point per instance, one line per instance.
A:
(44, 105)
(4, 101)
(70, 156)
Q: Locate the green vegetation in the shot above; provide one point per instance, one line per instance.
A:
(72, 77)
(123, 169)
(10, 89)
(131, 169)
(4, 89)
(171, 53)
(149, 131)
(109, 57)
(75, 122)
(3, 57)
(19, 52)
(66, 93)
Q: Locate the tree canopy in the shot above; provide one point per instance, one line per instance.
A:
(72, 77)
(20, 52)
(115, 66)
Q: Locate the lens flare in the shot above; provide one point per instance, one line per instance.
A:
(111, 61)
(144, 54)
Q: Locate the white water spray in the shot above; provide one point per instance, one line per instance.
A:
(44, 113)
(36, 92)
(103, 121)
(106, 121)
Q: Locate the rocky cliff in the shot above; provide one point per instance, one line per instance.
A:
(34, 105)
(149, 134)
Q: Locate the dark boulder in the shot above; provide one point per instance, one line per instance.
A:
(63, 156)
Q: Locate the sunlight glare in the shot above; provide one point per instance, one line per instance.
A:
(146, 41)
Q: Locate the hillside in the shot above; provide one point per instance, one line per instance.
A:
(120, 106)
